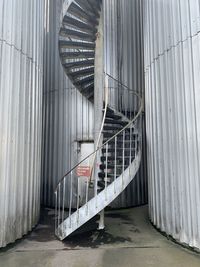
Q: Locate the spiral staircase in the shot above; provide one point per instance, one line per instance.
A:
(116, 159)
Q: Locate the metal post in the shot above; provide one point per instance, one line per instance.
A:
(98, 88)
(98, 99)
(101, 220)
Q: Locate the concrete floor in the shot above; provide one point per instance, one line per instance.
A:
(128, 240)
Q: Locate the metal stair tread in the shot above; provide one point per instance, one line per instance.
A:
(84, 81)
(85, 5)
(111, 128)
(77, 11)
(76, 55)
(77, 24)
(77, 35)
(76, 44)
(112, 121)
(82, 72)
(79, 64)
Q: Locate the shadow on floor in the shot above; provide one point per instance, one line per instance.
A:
(88, 236)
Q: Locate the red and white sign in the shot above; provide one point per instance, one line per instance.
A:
(85, 168)
(83, 171)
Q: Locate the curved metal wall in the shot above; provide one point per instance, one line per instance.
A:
(68, 116)
(21, 59)
(124, 61)
(172, 68)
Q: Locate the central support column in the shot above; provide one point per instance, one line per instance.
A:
(98, 101)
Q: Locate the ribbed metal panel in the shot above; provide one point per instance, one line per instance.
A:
(68, 116)
(21, 58)
(172, 66)
(124, 61)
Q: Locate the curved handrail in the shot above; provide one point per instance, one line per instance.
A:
(135, 91)
(110, 139)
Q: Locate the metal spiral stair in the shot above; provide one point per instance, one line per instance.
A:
(120, 152)
(77, 43)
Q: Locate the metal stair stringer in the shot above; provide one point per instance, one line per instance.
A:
(120, 155)
(98, 203)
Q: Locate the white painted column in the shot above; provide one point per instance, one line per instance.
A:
(98, 100)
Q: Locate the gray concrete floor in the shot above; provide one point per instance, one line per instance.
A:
(128, 240)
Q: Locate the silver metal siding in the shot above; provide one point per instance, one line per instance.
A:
(21, 71)
(68, 116)
(172, 65)
(124, 61)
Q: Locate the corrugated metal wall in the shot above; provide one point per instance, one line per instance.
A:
(21, 57)
(67, 115)
(124, 61)
(172, 67)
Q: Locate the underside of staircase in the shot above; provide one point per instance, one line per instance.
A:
(119, 152)
(77, 43)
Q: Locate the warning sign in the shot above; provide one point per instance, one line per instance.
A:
(83, 171)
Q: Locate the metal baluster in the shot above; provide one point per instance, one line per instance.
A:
(125, 104)
(59, 205)
(106, 178)
(131, 130)
(122, 106)
(96, 180)
(141, 132)
(136, 141)
(63, 204)
(129, 103)
(56, 211)
(95, 173)
(117, 98)
(115, 171)
(70, 202)
(86, 197)
(120, 98)
(123, 157)
(96, 183)
(78, 201)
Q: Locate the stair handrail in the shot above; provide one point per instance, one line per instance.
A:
(137, 93)
(140, 111)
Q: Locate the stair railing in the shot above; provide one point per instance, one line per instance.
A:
(106, 97)
(129, 137)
